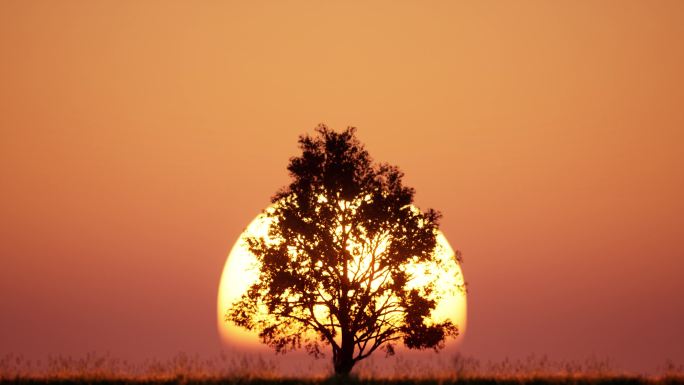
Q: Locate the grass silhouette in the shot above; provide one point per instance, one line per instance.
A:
(243, 369)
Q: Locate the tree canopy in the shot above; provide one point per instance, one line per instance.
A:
(333, 270)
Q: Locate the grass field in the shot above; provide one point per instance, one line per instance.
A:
(627, 380)
(257, 370)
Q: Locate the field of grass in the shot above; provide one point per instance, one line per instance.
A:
(257, 370)
(334, 381)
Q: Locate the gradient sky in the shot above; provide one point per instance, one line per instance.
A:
(138, 139)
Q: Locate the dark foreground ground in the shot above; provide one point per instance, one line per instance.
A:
(608, 380)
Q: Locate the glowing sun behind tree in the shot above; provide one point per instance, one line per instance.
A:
(343, 261)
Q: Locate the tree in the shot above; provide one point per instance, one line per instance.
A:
(334, 267)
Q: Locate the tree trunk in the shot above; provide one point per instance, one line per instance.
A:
(344, 360)
(343, 367)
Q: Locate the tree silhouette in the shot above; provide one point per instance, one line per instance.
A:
(333, 270)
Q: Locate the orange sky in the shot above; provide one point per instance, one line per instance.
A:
(137, 140)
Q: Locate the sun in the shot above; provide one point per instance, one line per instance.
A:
(240, 272)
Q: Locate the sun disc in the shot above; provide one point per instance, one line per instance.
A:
(239, 274)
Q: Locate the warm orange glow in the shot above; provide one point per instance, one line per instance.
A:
(240, 271)
(139, 138)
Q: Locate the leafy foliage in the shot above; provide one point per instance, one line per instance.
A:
(335, 267)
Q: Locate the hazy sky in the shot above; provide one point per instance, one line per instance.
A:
(139, 138)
